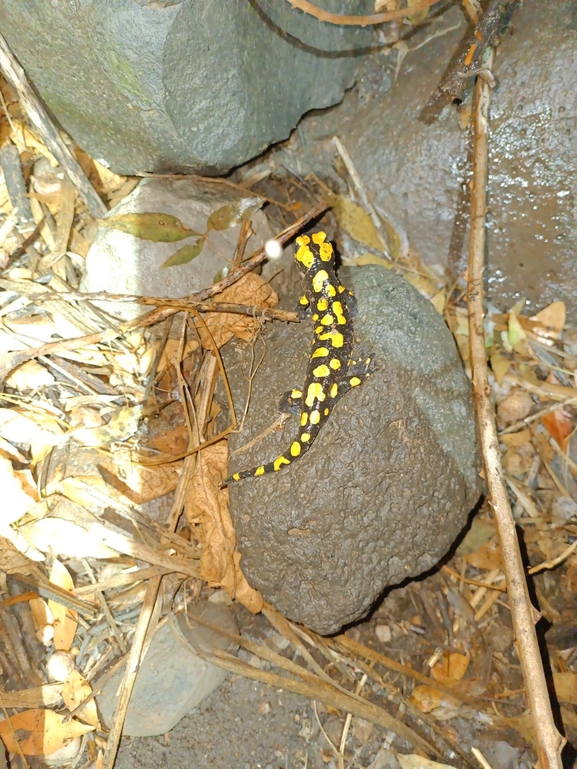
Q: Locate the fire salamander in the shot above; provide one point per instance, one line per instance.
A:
(331, 370)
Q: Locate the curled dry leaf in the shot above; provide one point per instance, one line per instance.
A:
(560, 425)
(233, 213)
(65, 619)
(515, 407)
(451, 667)
(206, 505)
(40, 732)
(251, 290)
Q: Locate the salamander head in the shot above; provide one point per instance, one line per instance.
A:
(319, 251)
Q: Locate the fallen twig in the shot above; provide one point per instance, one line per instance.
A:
(548, 740)
(360, 21)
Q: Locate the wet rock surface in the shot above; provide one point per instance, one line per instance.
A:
(418, 174)
(388, 483)
(182, 86)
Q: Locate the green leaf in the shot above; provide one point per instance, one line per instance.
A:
(185, 254)
(355, 220)
(233, 213)
(160, 228)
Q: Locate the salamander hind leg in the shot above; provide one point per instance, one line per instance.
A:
(356, 372)
(291, 401)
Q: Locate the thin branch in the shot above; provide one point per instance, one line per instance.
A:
(176, 304)
(360, 21)
(548, 740)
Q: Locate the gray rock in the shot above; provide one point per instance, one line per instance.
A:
(389, 482)
(419, 173)
(183, 86)
(121, 263)
(172, 679)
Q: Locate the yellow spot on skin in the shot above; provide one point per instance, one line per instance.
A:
(321, 371)
(305, 437)
(259, 471)
(337, 339)
(331, 290)
(296, 394)
(319, 280)
(304, 419)
(322, 304)
(315, 417)
(326, 252)
(305, 256)
(335, 364)
(341, 289)
(327, 320)
(320, 352)
(354, 381)
(319, 329)
(338, 311)
(295, 449)
(236, 476)
(334, 390)
(304, 301)
(302, 240)
(319, 237)
(315, 392)
(279, 462)
(315, 316)
(327, 412)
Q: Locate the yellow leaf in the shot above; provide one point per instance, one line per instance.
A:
(74, 691)
(551, 320)
(518, 337)
(451, 667)
(355, 221)
(40, 732)
(65, 619)
(371, 259)
(233, 213)
(500, 365)
(158, 227)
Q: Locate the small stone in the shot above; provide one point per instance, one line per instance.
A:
(564, 508)
(383, 633)
(515, 407)
(60, 665)
(264, 708)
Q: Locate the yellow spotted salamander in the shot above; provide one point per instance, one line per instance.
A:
(331, 370)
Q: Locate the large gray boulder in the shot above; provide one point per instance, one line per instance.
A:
(391, 478)
(191, 86)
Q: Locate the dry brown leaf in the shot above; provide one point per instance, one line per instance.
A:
(63, 537)
(74, 691)
(40, 732)
(136, 482)
(251, 290)
(65, 619)
(426, 698)
(550, 321)
(173, 441)
(35, 697)
(517, 439)
(487, 557)
(559, 424)
(12, 560)
(16, 502)
(566, 686)
(479, 534)
(450, 668)
(206, 505)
